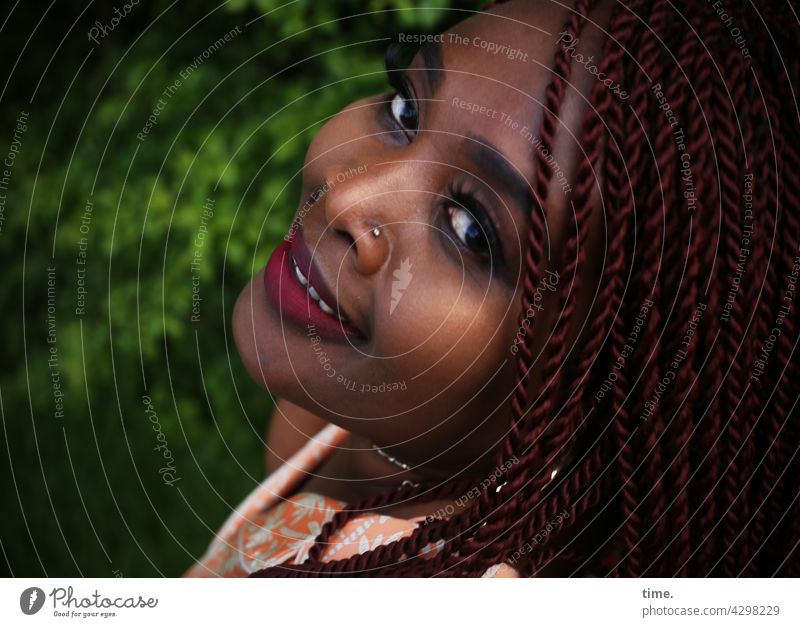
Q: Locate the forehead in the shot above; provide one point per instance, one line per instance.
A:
(513, 44)
(503, 56)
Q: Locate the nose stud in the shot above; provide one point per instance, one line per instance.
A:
(376, 232)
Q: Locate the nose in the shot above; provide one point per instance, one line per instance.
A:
(357, 208)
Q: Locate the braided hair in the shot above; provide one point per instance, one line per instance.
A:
(680, 410)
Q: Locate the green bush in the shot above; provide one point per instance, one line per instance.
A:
(83, 487)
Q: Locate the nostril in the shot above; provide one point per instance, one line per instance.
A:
(346, 236)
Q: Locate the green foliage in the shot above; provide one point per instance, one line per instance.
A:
(83, 493)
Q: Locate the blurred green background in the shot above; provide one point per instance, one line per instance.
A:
(85, 489)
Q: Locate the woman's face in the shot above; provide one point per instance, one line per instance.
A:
(412, 343)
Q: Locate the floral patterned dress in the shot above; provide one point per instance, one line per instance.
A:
(275, 525)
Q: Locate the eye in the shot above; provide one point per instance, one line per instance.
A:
(473, 225)
(469, 231)
(404, 111)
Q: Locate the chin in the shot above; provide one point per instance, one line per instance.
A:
(265, 346)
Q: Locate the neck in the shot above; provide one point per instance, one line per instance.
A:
(356, 470)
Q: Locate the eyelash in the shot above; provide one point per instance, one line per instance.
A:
(401, 86)
(398, 81)
(458, 194)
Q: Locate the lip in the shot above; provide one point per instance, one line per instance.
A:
(292, 300)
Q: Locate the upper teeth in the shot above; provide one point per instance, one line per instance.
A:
(314, 294)
(300, 276)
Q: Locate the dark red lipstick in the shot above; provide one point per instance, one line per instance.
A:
(296, 288)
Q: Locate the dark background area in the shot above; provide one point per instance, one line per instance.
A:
(85, 491)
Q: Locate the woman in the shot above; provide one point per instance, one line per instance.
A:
(629, 174)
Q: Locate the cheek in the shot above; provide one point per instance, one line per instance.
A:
(454, 333)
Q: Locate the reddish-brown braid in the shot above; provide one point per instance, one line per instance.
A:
(681, 279)
(781, 413)
(705, 480)
(727, 96)
(638, 488)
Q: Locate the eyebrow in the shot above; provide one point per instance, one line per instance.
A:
(487, 157)
(431, 53)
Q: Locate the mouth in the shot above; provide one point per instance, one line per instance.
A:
(312, 292)
(300, 294)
